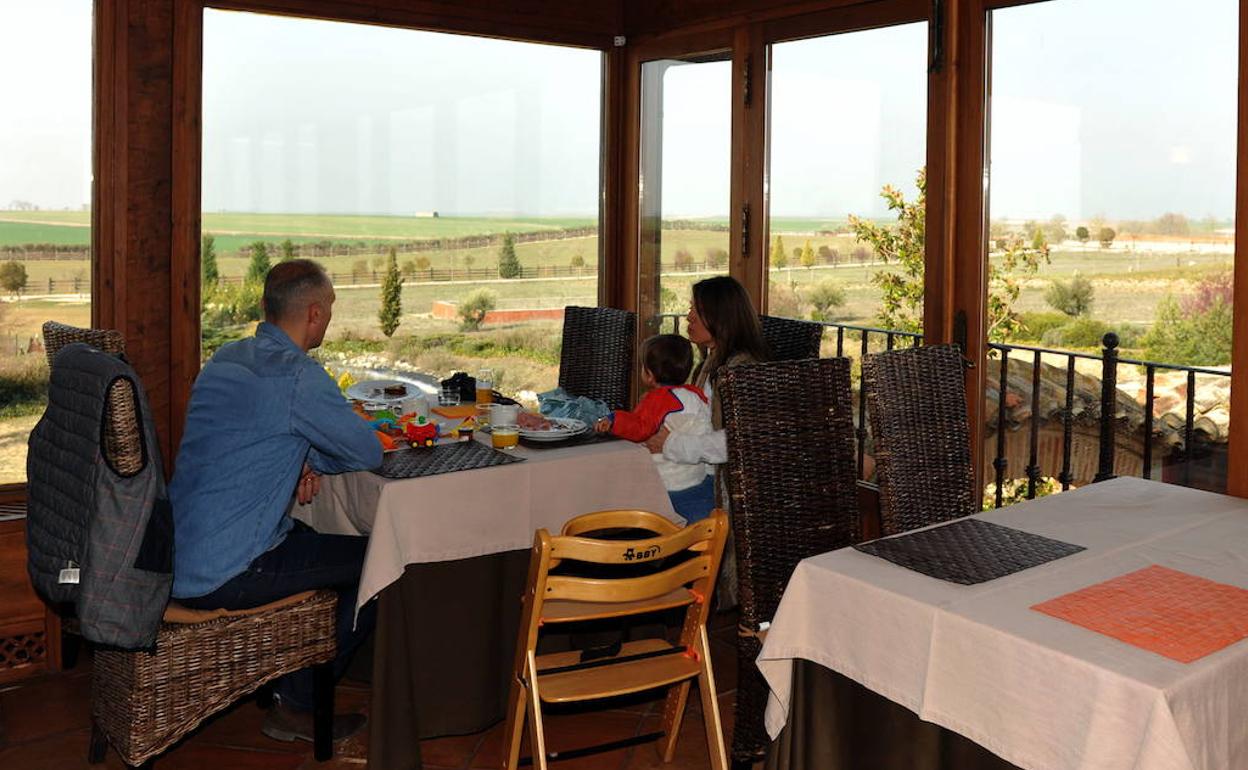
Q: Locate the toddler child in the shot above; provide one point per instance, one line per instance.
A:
(667, 360)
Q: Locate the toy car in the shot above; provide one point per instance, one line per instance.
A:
(421, 432)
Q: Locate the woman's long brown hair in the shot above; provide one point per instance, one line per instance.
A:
(725, 310)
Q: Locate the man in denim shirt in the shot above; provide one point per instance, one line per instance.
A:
(265, 420)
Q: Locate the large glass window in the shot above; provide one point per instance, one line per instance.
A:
(474, 162)
(847, 131)
(45, 198)
(1113, 131)
(685, 176)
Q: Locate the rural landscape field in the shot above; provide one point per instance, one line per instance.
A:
(456, 260)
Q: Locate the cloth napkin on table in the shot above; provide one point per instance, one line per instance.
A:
(558, 403)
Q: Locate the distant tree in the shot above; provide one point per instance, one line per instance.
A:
(1039, 240)
(1073, 297)
(391, 296)
(861, 254)
(797, 253)
(1082, 234)
(807, 255)
(409, 268)
(469, 260)
(1055, 229)
(578, 261)
(1172, 224)
(13, 277)
(422, 263)
(778, 256)
(378, 263)
(684, 260)
(825, 297)
(508, 264)
(826, 254)
(208, 272)
(1106, 236)
(716, 257)
(288, 250)
(258, 268)
(474, 306)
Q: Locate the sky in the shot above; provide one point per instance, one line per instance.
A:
(1116, 108)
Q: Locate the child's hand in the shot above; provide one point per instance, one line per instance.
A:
(603, 425)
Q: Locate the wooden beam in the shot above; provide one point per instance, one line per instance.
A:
(750, 98)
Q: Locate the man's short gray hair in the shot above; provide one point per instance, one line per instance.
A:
(291, 285)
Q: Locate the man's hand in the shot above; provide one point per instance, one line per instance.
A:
(309, 485)
(655, 443)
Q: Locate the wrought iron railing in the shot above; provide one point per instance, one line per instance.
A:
(859, 341)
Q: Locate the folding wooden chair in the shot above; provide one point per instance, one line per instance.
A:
(644, 664)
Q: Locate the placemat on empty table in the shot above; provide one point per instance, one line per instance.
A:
(444, 458)
(1171, 613)
(969, 551)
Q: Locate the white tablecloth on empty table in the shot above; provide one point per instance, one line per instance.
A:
(490, 510)
(1040, 692)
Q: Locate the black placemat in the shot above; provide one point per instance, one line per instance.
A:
(444, 458)
(969, 551)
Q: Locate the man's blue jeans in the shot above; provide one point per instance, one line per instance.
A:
(305, 560)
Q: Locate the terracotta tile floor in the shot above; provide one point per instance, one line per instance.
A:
(44, 723)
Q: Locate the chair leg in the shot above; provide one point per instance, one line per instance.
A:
(323, 711)
(99, 744)
(673, 716)
(264, 696)
(70, 645)
(710, 707)
(537, 737)
(515, 724)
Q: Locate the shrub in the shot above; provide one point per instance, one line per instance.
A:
(861, 254)
(23, 385)
(474, 306)
(422, 263)
(359, 267)
(784, 301)
(13, 277)
(258, 268)
(1082, 234)
(778, 256)
(1196, 339)
(288, 250)
(669, 302)
(508, 263)
(578, 261)
(715, 258)
(391, 296)
(1073, 297)
(1210, 290)
(1033, 326)
(409, 268)
(230, 304)
(1079, 333)
(827, 254)
(209, 274)
(1106, 236)
(824, 297)
(806, 256)
(684, 260)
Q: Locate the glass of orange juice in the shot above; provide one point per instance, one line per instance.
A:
(504, 436)
(485, 386)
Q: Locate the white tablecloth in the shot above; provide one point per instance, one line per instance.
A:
(1040, 692)
(478, 512)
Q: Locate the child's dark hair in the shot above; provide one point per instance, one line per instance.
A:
(669, 357)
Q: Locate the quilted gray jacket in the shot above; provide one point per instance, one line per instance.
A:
(100, 540)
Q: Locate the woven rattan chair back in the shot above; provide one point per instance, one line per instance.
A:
(597, 356)
(687, 561)
(789, 339)
(58, 335)
(792, 494)
(123, 444)
(917, 401)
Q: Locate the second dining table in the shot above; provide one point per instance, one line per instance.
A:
(447, 560)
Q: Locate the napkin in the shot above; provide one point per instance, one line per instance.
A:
(559, 403)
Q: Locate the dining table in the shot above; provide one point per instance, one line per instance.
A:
(1101, 628)
(446, 563)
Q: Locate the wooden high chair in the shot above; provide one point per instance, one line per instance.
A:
(644, 664)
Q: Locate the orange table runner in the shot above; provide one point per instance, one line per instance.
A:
(1171, 613)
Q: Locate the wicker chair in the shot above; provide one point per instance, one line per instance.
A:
(789, 339)
(791, 491)
(917, 402)
(597, 356)
(144, 702)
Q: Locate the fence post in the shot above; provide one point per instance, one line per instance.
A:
(1109, 406)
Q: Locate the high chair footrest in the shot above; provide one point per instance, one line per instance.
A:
(640, 666)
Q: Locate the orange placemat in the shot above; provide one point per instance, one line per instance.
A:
(456, 412)
(1171, 613)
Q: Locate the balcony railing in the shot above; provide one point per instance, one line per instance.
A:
(1092, 413)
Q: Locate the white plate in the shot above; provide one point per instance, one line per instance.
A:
(374, 390)
(564, 427)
